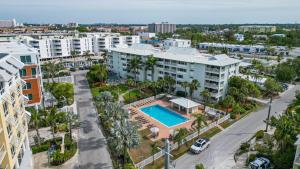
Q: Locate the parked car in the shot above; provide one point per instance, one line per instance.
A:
(200, 145)
(285, 86)
(72, 69)
(260, 163)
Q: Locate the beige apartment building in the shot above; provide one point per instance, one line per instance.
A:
(257, 29)
(15, 152)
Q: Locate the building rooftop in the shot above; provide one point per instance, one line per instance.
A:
(179, 54)
(15, 48)
(186, 103)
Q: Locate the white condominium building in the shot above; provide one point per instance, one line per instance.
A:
(183, 64)
(233, 47)
(180, 43)
(15, 152)
(53, 48)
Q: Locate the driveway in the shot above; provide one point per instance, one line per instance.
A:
(223, 146)
(93, 150)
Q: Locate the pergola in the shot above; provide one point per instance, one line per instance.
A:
(185, 105)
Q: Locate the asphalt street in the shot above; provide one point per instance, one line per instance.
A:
(92, 145)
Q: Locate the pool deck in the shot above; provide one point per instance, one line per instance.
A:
(164, 131)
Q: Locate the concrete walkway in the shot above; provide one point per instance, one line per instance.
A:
(92, 145)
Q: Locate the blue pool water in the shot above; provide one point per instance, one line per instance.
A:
(164, 115)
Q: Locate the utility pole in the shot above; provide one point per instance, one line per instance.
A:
(268, 117)
(167, 154)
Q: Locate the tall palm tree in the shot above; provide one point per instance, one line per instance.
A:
(134, 66)
(74, 54)
(52, 120)
(154, 147)
(185, 85)
(51, 68)
(200, 121)
(205, 94)
(35, 122)
(194, 85)
(87, 55)
(149, 65)
(228, 102)
(180, 136)
(170, 82)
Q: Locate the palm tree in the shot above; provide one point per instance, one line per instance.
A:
(130, 82)
(200, 121)
(74, 54)
(52, 120)
(170, 82)
(51, 68)
(228, 102)
(194, 85)
(185, 85)
(134, 66)
(87, 55)
(205, 94)
(155, 86)
(98, 72)
(35, 122)
(199, 166)
(154, 147)
(149, 65)
(180, 136)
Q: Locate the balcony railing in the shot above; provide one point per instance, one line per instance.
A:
(11, 120)
(212, 77)
(213, 70)
(211, 85)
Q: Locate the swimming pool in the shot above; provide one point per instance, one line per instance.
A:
(164, 115)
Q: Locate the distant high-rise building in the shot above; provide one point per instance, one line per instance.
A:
(163, 27)
(8, 23)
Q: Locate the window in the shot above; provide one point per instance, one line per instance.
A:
(27, 86)
(12, 149)
(29, 96)
(33, 71)
(23, 72)
(26, 59)
(9, 130)
(5, 108)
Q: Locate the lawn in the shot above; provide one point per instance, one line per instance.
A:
(114, 89)
(227, 123)
(135, 95)
(144, 149)
(182, 149)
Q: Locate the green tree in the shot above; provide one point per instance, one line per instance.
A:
(149, 65)
(180, 136)
(206, 95)
(98, 73)
(272, 87)
(87, 55)
(170, 82)
(228, 102)
(52, 68)
(285, 73)
(62, 92)
(185, 85)
(74, 55)
(194, 85)
(200, 121)
(154, 149)
(35, 121)
(135, 64)
(199, 166)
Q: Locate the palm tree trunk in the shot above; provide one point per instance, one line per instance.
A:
(38, 135)
(152, 74)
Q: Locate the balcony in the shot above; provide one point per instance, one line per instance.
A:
(2, 153)
(11, 120)
(214, 78)
(211, 85)
(213, 70)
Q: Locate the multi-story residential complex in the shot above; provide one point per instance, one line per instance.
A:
(59, 47)
(180, 43)
(8, 23)
(257, 29)
(239, 37)
(31, 72)
(163, 27)
(15, 152)
(233, 47)
(146, 35)
(183, 64)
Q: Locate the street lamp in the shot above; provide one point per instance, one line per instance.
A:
(269, 112)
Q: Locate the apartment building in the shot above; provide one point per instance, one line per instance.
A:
(180, 43)
(183, 64)
(30, 73)
(233, 47)
(15, 152)
(257, 29)
(8, 23)
(163, 27)
(59, 47)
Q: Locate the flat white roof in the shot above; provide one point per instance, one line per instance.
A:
(186, 103)
(16, 48)
(184, 55)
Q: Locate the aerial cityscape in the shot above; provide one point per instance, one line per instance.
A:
(146, 84)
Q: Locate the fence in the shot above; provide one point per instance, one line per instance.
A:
(188, 138)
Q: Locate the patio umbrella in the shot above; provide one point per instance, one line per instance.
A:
(154, 129)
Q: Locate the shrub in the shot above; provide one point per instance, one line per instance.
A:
(250, 158)
(259, 134)
(233, 115)
(45, 145)
(244, 147)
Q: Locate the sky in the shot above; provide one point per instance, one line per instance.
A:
(148, 11)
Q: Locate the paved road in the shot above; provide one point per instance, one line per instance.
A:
(93, 153)
(220, 153)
